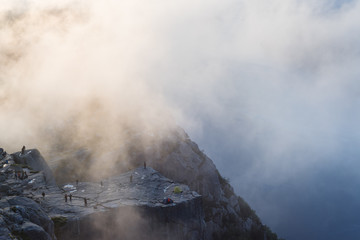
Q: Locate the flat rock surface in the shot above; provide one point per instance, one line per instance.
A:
(148, 188)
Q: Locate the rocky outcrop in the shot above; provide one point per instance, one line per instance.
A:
(173, 154)
(126, 206)
(118, 208)
(34, 161)
(23, 218)
(227, 216)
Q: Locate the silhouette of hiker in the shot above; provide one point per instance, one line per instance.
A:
(66, 197)
(43, 194)
(70, 196)
(23, 150)
(85, 202)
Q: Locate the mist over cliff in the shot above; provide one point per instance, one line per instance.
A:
(268, 89)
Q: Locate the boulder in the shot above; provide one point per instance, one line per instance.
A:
(30, 230)
(24, 218)
(35, 161)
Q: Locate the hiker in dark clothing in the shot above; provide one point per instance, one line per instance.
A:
(144, 164)
(66, 197)
(85, 202)
(23, 150)
(131, 178)
(43, 194)
(70, 196)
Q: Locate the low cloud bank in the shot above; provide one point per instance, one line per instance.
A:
(269, 89)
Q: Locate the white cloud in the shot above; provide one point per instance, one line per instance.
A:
(274, 79)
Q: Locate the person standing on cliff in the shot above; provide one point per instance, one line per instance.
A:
(85, 202)
(70, 197)
(23, 150)
(66, 197)
(43, 194)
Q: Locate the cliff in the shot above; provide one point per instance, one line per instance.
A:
(174, 155)
(120, 208)
(227, 216)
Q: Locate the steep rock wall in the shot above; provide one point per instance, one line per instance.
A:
(182, 221)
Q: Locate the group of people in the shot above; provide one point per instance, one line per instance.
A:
(20, 175)
(3, 153)
(66, 196)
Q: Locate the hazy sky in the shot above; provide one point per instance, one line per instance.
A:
(269, 89)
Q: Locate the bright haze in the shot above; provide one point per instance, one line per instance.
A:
(269, 89)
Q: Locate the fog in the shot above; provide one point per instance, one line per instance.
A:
(269, 90)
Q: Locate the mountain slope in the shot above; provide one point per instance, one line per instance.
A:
(227, 216)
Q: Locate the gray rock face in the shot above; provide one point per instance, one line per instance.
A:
(141, 222)
(227, 216)
(34, 231)
(23, 218)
